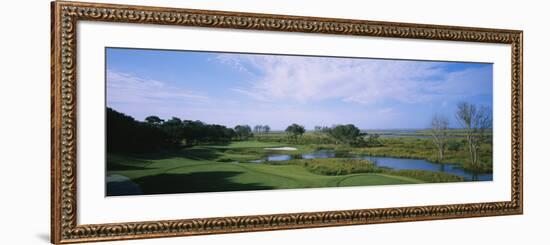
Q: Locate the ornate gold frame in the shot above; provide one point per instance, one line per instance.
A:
(65, 15)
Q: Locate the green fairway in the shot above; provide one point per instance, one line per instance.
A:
(215, 168)
(374, 179)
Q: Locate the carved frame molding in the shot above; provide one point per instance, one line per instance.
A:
(65, 16)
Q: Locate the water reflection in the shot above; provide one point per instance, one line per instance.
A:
(388, 162)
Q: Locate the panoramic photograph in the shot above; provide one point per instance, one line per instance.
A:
(200, 121)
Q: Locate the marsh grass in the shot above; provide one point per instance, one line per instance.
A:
(334, 166)
(423, 148)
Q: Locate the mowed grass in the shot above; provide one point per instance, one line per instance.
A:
(374, 179)
(215, 168)
(246, 144)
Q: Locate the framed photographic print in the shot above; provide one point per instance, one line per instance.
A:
(175, 122)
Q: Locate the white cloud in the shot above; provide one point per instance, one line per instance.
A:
(251, 94)
(363, 81)
(128, 88)
(465, 82)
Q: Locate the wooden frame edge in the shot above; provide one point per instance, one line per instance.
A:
(282, 16)
(55, 175)
(64, 228)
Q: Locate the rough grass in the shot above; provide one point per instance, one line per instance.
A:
(334, 166)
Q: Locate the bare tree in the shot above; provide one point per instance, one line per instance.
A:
(439, 132)
(476, 121)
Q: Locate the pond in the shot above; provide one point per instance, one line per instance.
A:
(387, 162)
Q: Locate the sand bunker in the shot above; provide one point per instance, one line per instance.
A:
(286, 148)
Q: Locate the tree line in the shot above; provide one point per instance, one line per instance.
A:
(347, 134)
(125, 134)
(262, 129)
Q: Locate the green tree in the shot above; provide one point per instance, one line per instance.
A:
(345, 134)
(266, 129)
(174, 128)
(125, 134)
(258, 129)
(153, 120)
(243, 132)
(295, 130)
(194, 132)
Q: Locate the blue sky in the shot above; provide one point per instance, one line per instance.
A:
(278, 90)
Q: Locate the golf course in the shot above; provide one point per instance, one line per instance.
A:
(262, 163)
(184, 121)
(207, 168)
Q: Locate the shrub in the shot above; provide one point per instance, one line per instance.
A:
(335, 166)
(454, 145)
